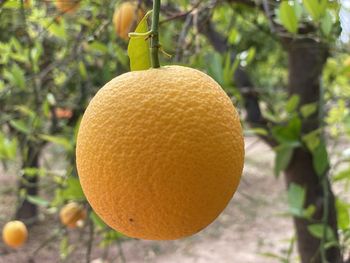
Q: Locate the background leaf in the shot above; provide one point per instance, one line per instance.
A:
(320, 159)
(296, 199)
(284, 154)
(316, 8)
(288, 17)
(317, 231)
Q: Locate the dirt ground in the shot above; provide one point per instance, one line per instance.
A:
(252, 225)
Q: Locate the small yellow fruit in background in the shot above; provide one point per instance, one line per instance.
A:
(67, 6)
(160, 152)
(347, 62)
(71, 214)
(27, 3)
(14, 234)
(126, 17)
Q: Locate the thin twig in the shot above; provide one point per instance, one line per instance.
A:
(325, 186)
(121, 253)
(90, 241)
(268, 15)
(182, 37)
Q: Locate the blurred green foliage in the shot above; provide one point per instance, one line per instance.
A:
(52, 64)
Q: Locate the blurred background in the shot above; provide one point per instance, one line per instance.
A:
(286, 66)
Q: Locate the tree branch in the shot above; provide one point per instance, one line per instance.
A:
(250, 3)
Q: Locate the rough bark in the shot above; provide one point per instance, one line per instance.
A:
(306, 61)
(301, 172)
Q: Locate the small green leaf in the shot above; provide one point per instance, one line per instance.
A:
(20, 126)
(326, 24)
(312, 140)
(316, 8)
(296, 199)
(308, 109)
(98, 47)
(333, 243)
(139, 48)
(26, 111)
(343, 175)
(12, 4)
(82, 70)
(256, 131)
(251, 55)
(292, 103)
(215, 67)
(73, 190)
(320, 159)
(46, 108)
(8, 148)
(343, 214)
(36, 52)
(317, 231)
(15, 76)
(31, 171)
(289, 133)
(58, 30)
(298, 8)
(2, 85)
(283, 156)
(309, 211)
(288, 17)
(229, 69)
(65, 143)
(36, 200)
(234, 36)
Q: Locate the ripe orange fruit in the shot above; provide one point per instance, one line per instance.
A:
(67, 6)
(71, 214)
(160, 152)
(62, 113)
(14, 234)
(126, 17)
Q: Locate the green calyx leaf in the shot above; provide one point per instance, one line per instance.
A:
(139, 47)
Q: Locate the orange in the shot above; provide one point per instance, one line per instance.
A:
(160, 152)
(71, 214)
(14, 234)
(126, 17)
(67, 6)
(62, 113)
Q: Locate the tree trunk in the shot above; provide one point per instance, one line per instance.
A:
(27, 211)
(306, 60)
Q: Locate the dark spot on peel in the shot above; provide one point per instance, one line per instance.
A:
(131, 220)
